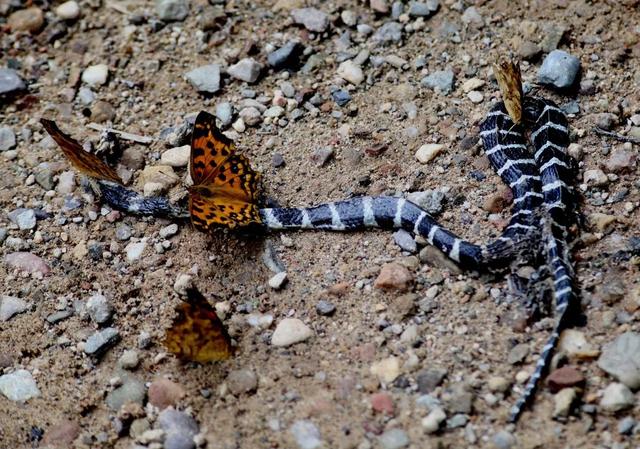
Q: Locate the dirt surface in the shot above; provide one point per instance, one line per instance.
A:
(324, 384)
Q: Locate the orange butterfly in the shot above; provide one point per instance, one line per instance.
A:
(225, 187)
(197, 334)
(83, 161)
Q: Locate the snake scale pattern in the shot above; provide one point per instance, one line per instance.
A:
(537, 230)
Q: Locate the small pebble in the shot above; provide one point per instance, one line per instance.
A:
(68, 10)
(7, 136)
(205, 78)
(242, 381)
(134, 250)
(164, 393)
(29, 19)
(11, 306)
(101, 341)
(559, 69)
(431, 423)
(386, 370)
(441, 81)
(563, 402)
(621, 359)
(99, 308)
(394, 439)
(325, 308)
(405, 241)
(19, 386)
(179, 428)
(311, 18)
(306, 434)
(290, 331)
(172, 10)
(278, 280)
(617, 397)
(10, 82)
(129, 359)
(504, 440)
(176, 157)
(95, 75)
(427, 152)
(246, 69)
(394, 276)
(351, 72)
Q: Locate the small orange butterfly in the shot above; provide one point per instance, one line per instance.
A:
(509, 78)
(197, 334)
(225, 187)
(83, 161)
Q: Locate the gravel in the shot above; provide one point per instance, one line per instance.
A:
(440, 81)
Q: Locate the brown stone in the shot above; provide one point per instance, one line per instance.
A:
(394, 276)
(380, 6)
(382, 403)
(565, 377)
(61, 435)
(164, 392)
(339, 289)
(498, 201)
(30, 19)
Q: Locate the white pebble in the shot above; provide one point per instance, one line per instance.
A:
(351, 72)
(475, 97)
(290, 331)
(176, 157)
(427, 152)
(278, 280)
(68, 10)
(95, 75)
(134, 250)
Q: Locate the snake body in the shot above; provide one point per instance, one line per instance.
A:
(536, 230)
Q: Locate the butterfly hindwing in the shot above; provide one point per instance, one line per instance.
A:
(197, 333)
(225, 186)
(83, 161)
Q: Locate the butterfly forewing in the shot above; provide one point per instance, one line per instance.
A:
(509, 78)
(197, 333)
(83, 161)
(209, 149)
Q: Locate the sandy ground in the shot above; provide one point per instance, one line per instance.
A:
(327, 379)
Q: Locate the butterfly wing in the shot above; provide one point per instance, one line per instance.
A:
(83, 161)
(197, 333)
(209, 149)
(509, 78)
(225, 186)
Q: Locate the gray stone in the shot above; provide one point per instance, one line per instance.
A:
(179, 429)
(518, 353)
(62, 315)
(397, 8)
(326, 308)
(172, 10)
(322, 155)
(441, 81)
(419, 9)
(460, 401)
(11, 306)
(224, 113)
(3, 234)
(131, 390)
(405, 241)
(458, 420)
(168, 231)
(205, 78)
(7, 138)
(123, 232)
(626, 425)
(44, 176)
(306, 434)
(504, 440)
(19, 386)
(100, 309)
(394, 439)
(429, 200)
(86, 96)
(471, 16)
(287, 56)
(24, 218)
(242, 381)
(559, 69)
(617, 397)
(311, 18)
(246, 69)
(428, 380)
(129, 359)
(389, 33)
(10, 82)
(101, 341)
(621, 359)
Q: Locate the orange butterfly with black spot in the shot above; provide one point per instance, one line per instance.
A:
(225, 187)
(197, 333)
(87, 163)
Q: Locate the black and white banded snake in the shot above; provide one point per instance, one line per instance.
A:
(538, 228)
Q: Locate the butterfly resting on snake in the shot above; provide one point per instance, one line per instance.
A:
(225, 193)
